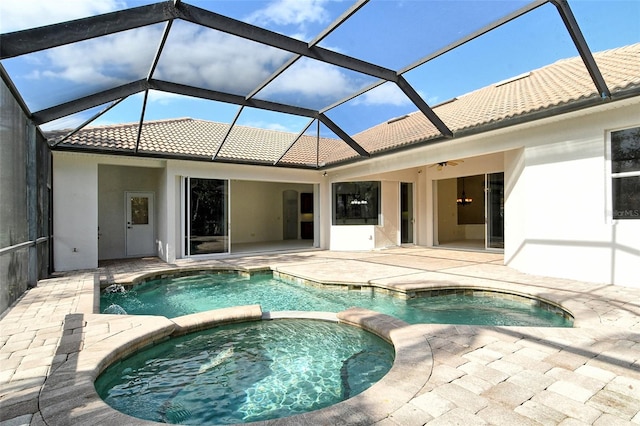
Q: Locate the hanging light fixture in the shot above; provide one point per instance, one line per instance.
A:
(357, 201)
(463, 201)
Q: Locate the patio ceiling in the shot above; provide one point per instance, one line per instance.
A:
(193, 53)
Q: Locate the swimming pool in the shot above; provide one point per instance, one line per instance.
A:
(247, 372)
(177, 296)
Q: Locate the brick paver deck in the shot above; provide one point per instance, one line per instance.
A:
(589, 374)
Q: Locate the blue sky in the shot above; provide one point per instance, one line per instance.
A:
(394, 34)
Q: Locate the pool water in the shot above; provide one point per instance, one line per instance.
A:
(246, 372)
(172, 297)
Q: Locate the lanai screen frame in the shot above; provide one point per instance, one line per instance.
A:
(166, 13)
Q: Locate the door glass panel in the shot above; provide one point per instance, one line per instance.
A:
(207, 216)
(406, 213)
(470, 200)
(495, 211)
(139, 210)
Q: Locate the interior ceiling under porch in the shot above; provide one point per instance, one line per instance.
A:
(321, 140)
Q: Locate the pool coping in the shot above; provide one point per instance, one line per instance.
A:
(69, 395)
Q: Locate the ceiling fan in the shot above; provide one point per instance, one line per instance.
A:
(446, 163)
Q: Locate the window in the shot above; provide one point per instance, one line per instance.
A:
(625, 173)
(139, 210)
(356, 203)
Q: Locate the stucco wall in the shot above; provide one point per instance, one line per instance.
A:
(563, 203)
(557, 196)
(78, 189)
(75, 206)
(557, 192)
(113, 182)
(388, 234)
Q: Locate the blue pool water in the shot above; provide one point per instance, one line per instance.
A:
(172, 297)
(246, 372)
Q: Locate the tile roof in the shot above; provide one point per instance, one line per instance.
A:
(562, 83)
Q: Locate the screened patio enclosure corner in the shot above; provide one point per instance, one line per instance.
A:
(329, 85)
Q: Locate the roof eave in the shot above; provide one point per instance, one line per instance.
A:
(174, 156)
(528, 117)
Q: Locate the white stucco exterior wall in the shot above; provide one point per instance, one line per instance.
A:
(388, 233)
(353, 237)
(557, 196)
(166, 227)
(113, 182)
(560, 197)
(75, 206)
(557, 192)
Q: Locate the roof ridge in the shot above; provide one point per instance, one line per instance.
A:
(130, 124)
(183, 119)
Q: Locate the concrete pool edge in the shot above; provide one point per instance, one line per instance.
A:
(69, 395)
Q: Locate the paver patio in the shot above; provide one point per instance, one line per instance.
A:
(589, 374)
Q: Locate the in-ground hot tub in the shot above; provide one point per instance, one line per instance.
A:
(246, 372)
(69, 394)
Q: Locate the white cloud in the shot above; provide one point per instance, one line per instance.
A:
(193, 55)
(386, 94)
(35, 13)
(290, 12)
(64, 123)
(213, 60)
(163, 98)
(433, 100)
(311, 79)
(269, 126)
(105, 61)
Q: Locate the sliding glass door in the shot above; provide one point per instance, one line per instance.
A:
(206, 224)
(406, 213)
(495, 210)
(469, 212)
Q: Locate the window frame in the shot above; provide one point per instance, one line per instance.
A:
(613, 176)
(355, 200)
(186, 223)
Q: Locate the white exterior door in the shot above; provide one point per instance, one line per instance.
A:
(139, 226)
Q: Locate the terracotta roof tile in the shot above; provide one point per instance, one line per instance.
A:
(305, 152)
(188, 137)
(560, 83)
(256, 145)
